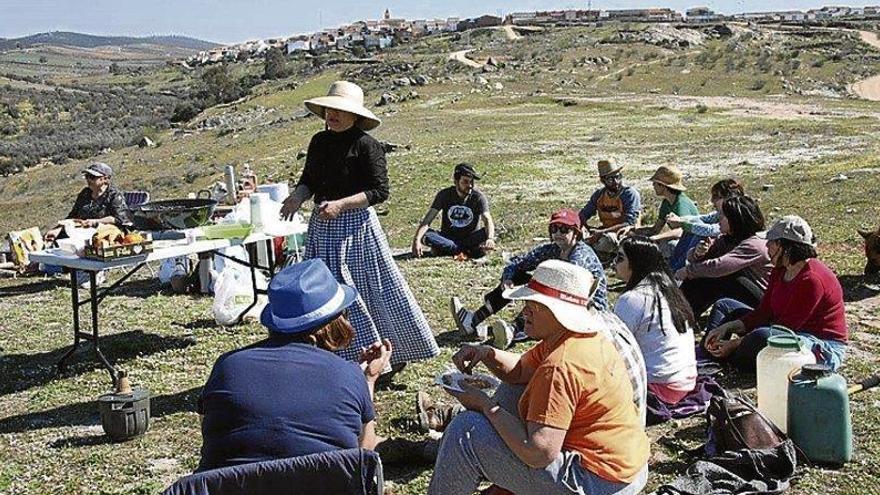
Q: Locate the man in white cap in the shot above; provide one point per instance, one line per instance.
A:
(99, 202)
(564, 419)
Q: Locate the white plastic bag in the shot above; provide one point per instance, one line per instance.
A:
(173, 267)
(233, 292)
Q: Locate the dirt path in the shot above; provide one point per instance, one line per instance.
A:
(868, 89)
(460, 56)
(652, 62)
(510, 33)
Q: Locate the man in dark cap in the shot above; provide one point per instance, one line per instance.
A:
(99, 202)
(463, 207)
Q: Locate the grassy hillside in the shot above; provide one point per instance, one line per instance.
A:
(535, 141)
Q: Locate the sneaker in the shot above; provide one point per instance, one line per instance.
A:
(432, 416)
(464, 318)
(502, 334)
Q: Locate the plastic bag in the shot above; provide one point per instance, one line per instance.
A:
(233, 292)
(173, 267)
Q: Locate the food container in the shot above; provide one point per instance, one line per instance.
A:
(104, 253)
(227, 231)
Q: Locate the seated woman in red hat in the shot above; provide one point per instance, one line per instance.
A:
(290, 395)
(568, 245)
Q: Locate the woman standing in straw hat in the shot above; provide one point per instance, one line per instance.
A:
(346, 174)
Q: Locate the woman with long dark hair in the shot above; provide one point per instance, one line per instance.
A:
(659, 317)
(736, 265)
(699, 227)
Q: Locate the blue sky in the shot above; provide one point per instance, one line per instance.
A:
(230, 21)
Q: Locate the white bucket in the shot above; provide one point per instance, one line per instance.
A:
(277, 192)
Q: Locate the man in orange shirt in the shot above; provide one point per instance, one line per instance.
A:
(563, 420)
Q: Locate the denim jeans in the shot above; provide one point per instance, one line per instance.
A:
(686, 242)
(445, 246)
(471, 451)
(830, 352)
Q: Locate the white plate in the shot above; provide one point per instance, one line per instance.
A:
(451, 379)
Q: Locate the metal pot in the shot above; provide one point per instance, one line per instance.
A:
(173, 214)
(125, 415)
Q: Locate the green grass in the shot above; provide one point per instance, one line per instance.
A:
(535, 155)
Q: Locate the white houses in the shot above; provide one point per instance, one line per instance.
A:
(702, 14)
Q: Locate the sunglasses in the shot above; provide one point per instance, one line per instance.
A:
(612, 177)
(562, 229)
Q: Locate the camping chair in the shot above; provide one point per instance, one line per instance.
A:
(351, 471)
(136, 198)
(133, 199)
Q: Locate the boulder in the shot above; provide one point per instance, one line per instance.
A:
(386, 99)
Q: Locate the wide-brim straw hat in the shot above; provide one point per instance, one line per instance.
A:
(670, 177)
(566, 289)
(347, 97)
(608, 167)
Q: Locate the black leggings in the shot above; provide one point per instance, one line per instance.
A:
(496, 300)
(702, 293)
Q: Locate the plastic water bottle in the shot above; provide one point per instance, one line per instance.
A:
(819, 416)
(783, 354)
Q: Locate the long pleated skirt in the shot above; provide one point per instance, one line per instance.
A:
(356, 250)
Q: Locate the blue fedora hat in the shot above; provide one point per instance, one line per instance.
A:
(305, 296)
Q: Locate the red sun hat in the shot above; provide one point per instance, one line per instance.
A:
(566, 216)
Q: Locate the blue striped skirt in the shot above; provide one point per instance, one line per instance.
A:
(356, 250)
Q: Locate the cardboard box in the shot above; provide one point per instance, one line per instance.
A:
(120, 251)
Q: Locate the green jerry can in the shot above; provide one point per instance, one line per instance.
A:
(819, 420)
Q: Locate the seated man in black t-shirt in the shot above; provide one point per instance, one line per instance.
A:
(463, 206)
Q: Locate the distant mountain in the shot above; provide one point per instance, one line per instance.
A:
(92, 41)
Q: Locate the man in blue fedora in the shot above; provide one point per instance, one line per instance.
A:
(290, 395)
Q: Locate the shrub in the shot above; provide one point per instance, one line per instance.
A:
(185, 111)
(757, 84)
(275, 65)
(702, 108)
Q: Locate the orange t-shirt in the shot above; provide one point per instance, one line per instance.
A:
(581, 385)
(610, 209)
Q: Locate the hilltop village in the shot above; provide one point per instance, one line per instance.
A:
(366, 36)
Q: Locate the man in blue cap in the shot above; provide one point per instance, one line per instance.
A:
(463, 207)
(99, 202)
(290, 395)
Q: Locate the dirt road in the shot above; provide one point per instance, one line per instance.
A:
(510, 33)
(460, 56)
(869, 89)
